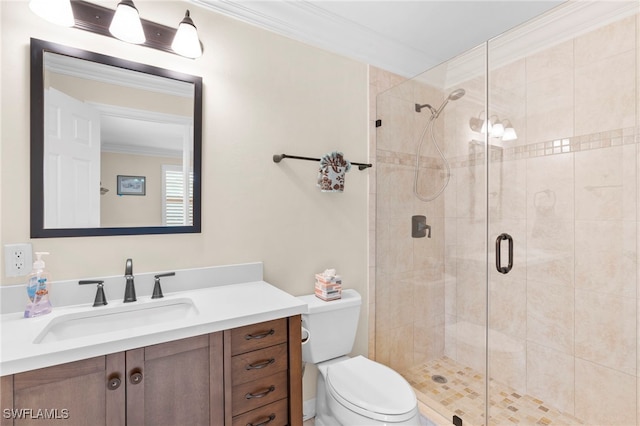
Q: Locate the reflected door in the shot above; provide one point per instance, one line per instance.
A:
(72, 162)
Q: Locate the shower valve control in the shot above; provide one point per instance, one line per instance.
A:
(419, 227)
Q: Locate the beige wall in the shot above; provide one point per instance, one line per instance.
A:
(263, 95)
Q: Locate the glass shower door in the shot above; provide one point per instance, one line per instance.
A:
(430, 288)
(520, 303)
(563, 321)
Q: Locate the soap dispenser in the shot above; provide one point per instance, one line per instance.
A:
(38, 289)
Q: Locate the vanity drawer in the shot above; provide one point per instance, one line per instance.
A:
(258, 336)
(263, 391)
(275, 414)
(263, 362)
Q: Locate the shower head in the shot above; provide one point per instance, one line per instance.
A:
(456, 94)
(453, 96)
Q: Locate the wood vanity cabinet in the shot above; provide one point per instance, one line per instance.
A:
(223, 378)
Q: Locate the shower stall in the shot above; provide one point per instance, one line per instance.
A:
(521, 157)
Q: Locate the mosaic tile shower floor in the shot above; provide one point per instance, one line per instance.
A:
(463, 395)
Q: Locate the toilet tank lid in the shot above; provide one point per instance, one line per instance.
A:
(349, 298)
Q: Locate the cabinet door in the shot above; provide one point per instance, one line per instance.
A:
(6, 400)
(169, 383)
(87, 392)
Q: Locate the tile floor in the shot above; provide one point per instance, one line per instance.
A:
(463, 395)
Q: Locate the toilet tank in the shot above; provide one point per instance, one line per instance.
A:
(332, 326)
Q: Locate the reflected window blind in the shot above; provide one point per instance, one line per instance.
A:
(174, 212)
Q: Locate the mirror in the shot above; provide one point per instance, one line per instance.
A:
(115, 146)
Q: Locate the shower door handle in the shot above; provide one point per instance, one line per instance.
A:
(499, 240)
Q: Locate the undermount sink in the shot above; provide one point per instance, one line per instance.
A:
(107, 319)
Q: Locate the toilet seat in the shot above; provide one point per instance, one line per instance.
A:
(371, 390)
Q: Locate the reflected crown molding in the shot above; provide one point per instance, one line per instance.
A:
(75, 67)
(142, 132)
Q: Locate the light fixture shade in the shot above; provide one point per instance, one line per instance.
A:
(58, 12)
(497, 130)
(509, 134)
(487, 127)
(186, 42)
(126, 24)
(476, 124)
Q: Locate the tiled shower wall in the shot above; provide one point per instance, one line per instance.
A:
(564, 324)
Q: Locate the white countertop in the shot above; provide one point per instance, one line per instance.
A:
(218, 308)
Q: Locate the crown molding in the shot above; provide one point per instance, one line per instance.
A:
(332, 32)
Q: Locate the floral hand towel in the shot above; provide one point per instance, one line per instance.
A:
(333, 166)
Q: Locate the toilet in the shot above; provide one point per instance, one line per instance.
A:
(351, 391)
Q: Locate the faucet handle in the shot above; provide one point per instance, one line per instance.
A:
(128, 267)
(157, 290)
(100, 299)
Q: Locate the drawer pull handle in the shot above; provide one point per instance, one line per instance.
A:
(261, 394)
(260, 365)
(269, 419)
(259, 336)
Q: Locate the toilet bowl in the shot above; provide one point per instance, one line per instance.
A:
(351, 391)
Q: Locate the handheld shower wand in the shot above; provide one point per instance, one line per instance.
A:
(453, 96)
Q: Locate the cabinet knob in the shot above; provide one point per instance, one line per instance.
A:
(113, 383)
(263, 422)
(136, 377)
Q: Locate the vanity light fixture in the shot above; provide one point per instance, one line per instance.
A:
(186, 42)
(495, 128)
(126, 24)
(58, 12)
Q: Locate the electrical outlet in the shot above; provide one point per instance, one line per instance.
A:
(18, 259)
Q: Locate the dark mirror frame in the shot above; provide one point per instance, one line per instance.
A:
(38, 48)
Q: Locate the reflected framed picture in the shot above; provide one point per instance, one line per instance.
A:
(132, 185)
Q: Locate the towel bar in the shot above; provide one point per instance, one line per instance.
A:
(277, 158)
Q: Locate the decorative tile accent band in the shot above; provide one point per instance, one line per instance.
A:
(476, 156)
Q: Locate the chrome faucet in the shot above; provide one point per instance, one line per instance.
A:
(130, 289)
